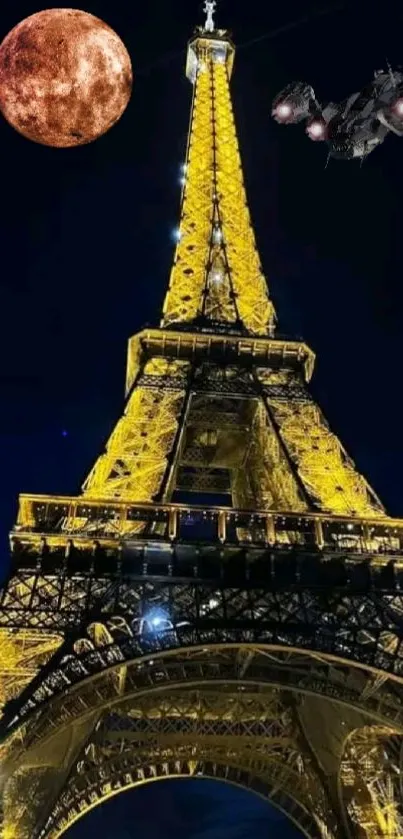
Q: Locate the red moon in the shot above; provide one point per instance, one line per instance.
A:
(65, 77)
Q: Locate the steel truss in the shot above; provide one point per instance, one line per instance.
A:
(89, 574)
(244, 740)
(358, 626)
(369, 780)
(216, 711)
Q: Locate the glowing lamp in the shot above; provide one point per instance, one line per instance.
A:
(284, 110)
(156, 621)
(399, 107)
(316, 130)
(216, 277)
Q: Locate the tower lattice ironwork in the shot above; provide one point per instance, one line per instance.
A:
(257, 639)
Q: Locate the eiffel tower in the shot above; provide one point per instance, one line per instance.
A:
(223, 598)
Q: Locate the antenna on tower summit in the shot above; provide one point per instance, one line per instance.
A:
(209, 8)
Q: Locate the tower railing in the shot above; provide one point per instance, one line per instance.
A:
(51, 522)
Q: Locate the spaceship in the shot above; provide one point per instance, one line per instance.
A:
(354, 127)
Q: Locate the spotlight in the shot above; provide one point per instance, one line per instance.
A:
(216, 277)
(156, 621)
(284, 110)
(316, 130)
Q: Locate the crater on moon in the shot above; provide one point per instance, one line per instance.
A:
(65, 77)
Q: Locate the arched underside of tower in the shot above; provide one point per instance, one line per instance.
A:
(211, 766)
(317, 738)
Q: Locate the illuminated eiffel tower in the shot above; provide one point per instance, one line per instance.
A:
(256, 639)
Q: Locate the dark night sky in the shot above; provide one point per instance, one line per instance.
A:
(85, 239)
(185, 809)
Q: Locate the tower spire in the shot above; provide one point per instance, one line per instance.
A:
(209, 8)
(216, 278)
